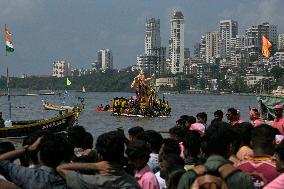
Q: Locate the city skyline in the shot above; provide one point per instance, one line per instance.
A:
(45, 32)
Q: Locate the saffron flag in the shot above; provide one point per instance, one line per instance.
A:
(7, 31)
(265, 47)
(68, 82)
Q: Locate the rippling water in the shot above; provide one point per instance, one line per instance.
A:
(29, 107)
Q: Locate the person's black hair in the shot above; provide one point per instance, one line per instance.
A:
(53, 149)
(263, 136)
(181, 122)
(191, 119)
(7, 147)
(279, 150)
(245, 129)
(31, 157)
(110, 146)
(202, 115)
(154, 138)
(134, 131)
(185, 117)
(219, 113)
(87, 141)
(233, 111)
(75, 135)
(217, 139)
(179, 132)
(171, 162)
(170, 146)
(138, 149)
(192, 143)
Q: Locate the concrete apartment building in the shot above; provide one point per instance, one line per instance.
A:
(105, 59)
(61, 69)
(228, 30)
(176, 43)
(280, 44)
(211, 45)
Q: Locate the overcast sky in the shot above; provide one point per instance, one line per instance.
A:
(74, 30)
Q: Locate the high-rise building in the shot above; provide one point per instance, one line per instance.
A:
(253, 37)
(61, 69)
(280, 44)
(196, 51)
(211, 45)
(105, 59)
(154, 58)
(202, 52)
(176, 42)
(152, 36)
(228, 30)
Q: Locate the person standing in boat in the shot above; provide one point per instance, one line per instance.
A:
(278, 122)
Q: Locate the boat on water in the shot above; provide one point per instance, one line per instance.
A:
(144, 104)
(48, 106)
(266, 102)
(83, 89)
(21, 129)
(46, 92)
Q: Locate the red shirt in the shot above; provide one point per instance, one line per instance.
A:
(278, 123)
(261, 169)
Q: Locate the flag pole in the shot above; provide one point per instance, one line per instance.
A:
(8, 88)
(9, 96)
(5, 38)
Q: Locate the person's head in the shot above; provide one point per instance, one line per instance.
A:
(245, 129)
(170, 163)
(154, 138)
(133, 132)
(202, 117)
(278, 110)
(169, 146)
(254, 114)
(31, 157)
(177, 133)
(181, 123)
(53, 150)
(219, 139)
(279, 154)
(87, 141)
(110, 147)
(6, 147)
(232, 114)
(192, 144)
(138, 153)
(263, 140)
(75, 136)
(218, 115)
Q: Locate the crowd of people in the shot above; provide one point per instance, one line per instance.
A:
(132, 106)
(228, 153)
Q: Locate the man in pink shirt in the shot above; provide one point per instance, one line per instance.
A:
(138, 153)
(278, 122)
(254, 115)
(261, 166)
(233, 116)
(278, 183)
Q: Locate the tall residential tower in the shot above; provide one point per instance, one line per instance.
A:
(176, 43)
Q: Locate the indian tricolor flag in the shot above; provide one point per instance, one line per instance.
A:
(9, 45)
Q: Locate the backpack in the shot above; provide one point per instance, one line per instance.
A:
(205, 180)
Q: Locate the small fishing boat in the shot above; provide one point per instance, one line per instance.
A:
(102, 109)
(21, 129)
(47, 106)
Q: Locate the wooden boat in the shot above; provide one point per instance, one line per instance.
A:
(48, 106)
(21, 129)
(101, 109)
(266, 104)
